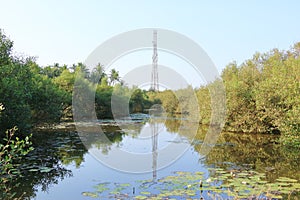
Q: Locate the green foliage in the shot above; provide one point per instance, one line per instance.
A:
(263, 95)
(103, 101)
(15, 94)
(12, 151)
(168, 100)
(137, 101)
(29, 96)
(187, 102)
(6, 46)
(204, 102)
(11, 154)
(48, 100)
(66, 80)
(114, 76)
(36, 95)
(98, 74)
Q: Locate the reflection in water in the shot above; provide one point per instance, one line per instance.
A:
(138, 150)
(259, 152)
(46, 165)
(154, 137)
(159, 141)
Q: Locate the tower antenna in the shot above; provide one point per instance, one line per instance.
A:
(154, 77)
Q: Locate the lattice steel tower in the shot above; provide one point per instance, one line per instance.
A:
(153, 124)
(154, 77)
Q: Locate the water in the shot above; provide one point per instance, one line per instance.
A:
(64, 167)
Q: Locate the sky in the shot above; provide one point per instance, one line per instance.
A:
(67, 31)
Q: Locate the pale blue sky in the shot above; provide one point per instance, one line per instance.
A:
(67, 31)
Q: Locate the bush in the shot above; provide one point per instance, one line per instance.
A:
(11, 153)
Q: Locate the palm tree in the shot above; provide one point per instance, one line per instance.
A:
(114, 76)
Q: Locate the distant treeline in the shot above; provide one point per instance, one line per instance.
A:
(33, 95)
(262, 94)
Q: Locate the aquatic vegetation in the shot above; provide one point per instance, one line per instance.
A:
(90, 194)
(12, 151)
(220, 184)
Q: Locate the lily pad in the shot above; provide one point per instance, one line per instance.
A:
(288, 180)
(140, 197)
(90, 194)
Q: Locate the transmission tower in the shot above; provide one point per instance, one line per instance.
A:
(154, 77)
(154, 87)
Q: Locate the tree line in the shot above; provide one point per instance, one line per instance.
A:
(32, 94)
(262, 94)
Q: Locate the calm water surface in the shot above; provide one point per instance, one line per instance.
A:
(62, 167)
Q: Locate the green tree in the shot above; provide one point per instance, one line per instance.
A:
(30, 97)
(136, 102)
(98, 74)
(263, 95)
(168, 100)
(15, 90)
(103, 101)
(48, 100)
(6, 46)
(53, 71)
(114, 77)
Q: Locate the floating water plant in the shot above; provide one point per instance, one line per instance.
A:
(187, 185)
